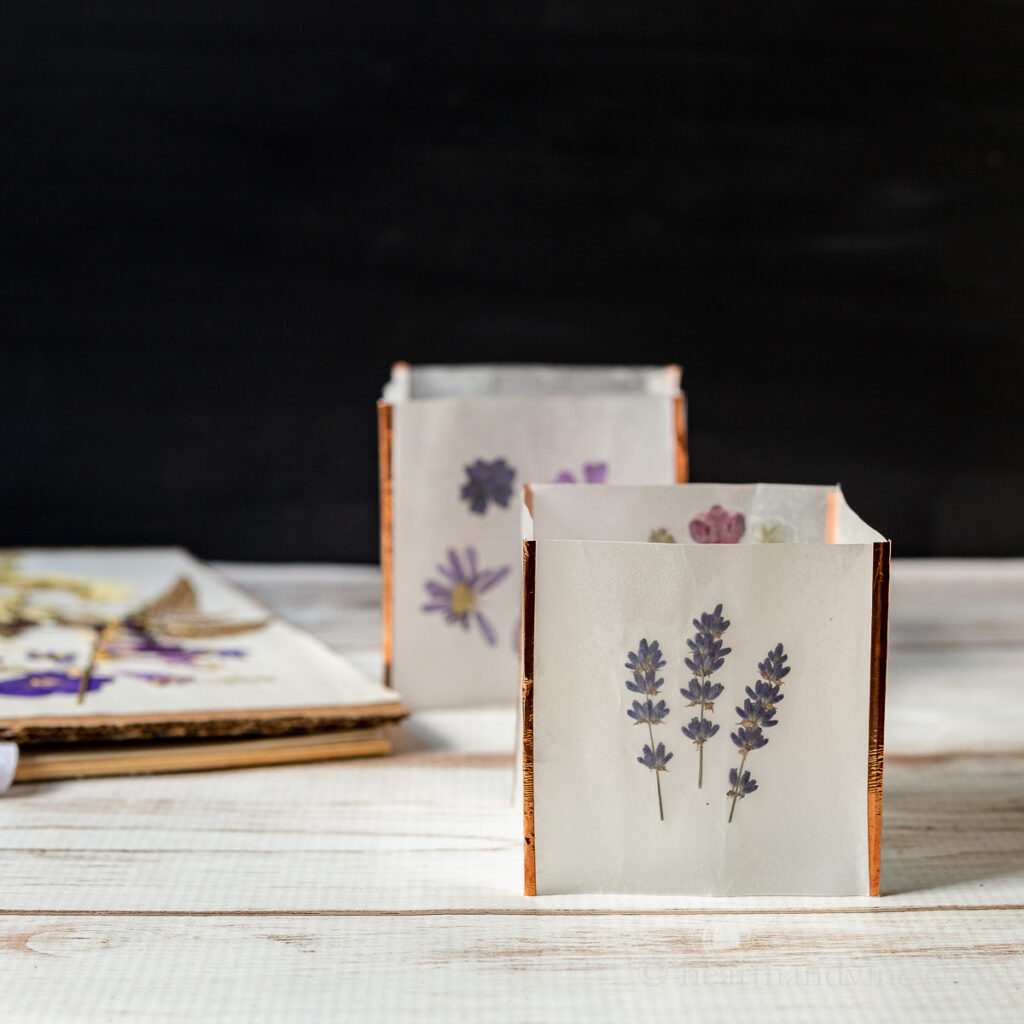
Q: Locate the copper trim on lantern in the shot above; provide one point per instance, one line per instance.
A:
(832, 516)
(682, 449)
(385, 426)
(528, 498)
(529, 592)
(876, 712)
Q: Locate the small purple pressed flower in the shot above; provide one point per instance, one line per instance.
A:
(766, 693)
(707, 656)
(718, 526)
(648, 713)
(702, 694)
(644, 663)
(593, 473)
(42, 684)
(773, 668)
(700, 730)
(458, 596)
(758, 712)
(487, 482)
(656, 759)
(748, 739)
(712, 622)
(646, 683)
(740, 785)
(754, 714)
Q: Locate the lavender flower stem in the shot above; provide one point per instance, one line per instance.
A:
(707, 655)
(736, 794)
(700, 757)
(657, 775)
(644, 663)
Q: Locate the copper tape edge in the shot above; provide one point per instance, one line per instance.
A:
(876, 712)
(528, 498)
(529, 591)
(385, 428)
(682, 448)
(832, 517)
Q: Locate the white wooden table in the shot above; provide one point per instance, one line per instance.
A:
(390, 889)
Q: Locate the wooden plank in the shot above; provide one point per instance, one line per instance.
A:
(943, 603)
(434, 832)
(617, 968)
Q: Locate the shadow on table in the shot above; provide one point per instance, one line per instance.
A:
(952, 823)
(472, 731)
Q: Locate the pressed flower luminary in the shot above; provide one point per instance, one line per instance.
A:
(123, 644)
(457, 445)
(766, 810)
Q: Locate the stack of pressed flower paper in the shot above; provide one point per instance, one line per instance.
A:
(108, 646)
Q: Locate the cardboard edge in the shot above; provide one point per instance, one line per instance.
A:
(199, 724)
(385, 430)
(529, 600)
(46, 764)
(682, 440)
(876, 712)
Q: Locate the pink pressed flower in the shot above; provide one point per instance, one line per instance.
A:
(718, 526)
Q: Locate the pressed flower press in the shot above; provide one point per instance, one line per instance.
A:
(456, 446)
(703, 690)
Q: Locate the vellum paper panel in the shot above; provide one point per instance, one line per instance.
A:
(597, 820)
(772, 513)
(248, 659)
(439, 660)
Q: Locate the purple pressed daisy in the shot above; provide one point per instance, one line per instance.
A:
(593, 473)
(458, 596)
(487, 482)
(42, 684)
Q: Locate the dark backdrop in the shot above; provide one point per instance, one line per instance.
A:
(222, 221)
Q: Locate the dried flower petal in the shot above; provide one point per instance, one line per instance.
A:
(487, 482)
(718, 526)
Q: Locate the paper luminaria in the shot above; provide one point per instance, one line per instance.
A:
(745, 672)
(457, 444)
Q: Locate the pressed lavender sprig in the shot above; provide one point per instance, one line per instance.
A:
(707, 656)
(757, 714)
(644, 664)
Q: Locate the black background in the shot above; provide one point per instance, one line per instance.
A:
(223, 221)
